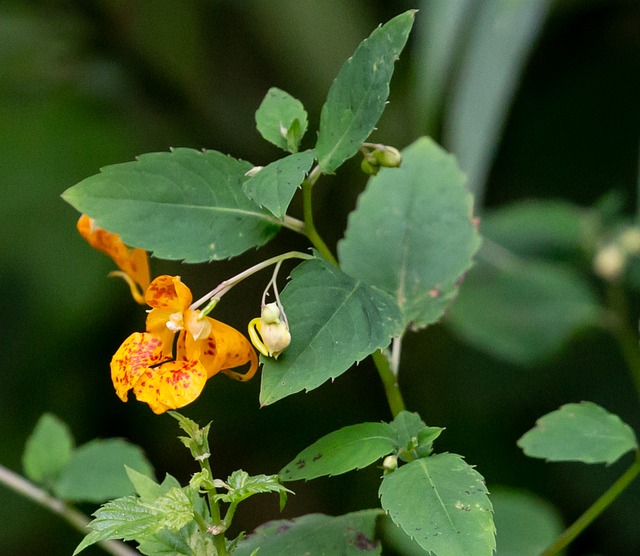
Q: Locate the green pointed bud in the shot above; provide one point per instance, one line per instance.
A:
(386, 156)
(369, 168)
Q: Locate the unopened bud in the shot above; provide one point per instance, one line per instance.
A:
(388, 157)
(270, 314)
(276, 338)
(368, 167)
(609, 262)
(390, 463)
(270, 333)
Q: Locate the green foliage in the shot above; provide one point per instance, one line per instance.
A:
(96, 471)
(274, 186)
(526, 523)
(48, 450)
(359, 93)
(582, 432)
(522, 311)
(347, 535)
(335, 320)
(182, 205)
(240, 486)
(349, 448)
(411, 234)
(442, 503)
(281, 119)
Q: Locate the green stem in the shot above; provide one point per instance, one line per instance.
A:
(75, 518)
(390, 383)
(309, 227)
(626, 336)
(219, 539)
(596, 509)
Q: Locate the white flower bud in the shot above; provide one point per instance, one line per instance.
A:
(609, 262)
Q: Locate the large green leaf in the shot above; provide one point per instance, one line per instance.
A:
(411, 233)
(525, 523)
(352, 447)
(522, 311)
(441, 502)
(48, 450)
(315, 534)
(96, 471)
(184, 204)
(582, 432)
(281, 119)
(497, 47)
(358, 95)
(334, 321)
(274, 185)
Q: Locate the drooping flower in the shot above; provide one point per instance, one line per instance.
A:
(133, 263)
(166, 377)
(269, 333)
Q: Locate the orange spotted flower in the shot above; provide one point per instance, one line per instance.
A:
(168, 378)
(133, 263)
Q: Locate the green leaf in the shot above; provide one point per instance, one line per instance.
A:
(175, 507)
(96, 471)
(241, 485)
(522, 311)
(281, 119)
(413, 438)
(525, 523)
(347, 535)
(411, 233)
(358, 95)
(273, 187)
(182, 205)
(582, 432)
(334, 321)
(497, 47)
(48, 450)
(124, 518)
(541, 228)
(441, 502)
(352, 447)
(171, 543)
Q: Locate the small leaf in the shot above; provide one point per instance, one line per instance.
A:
(96, 471)
(181, 205)
(411, 233)
(413, 438)
(441, 502)
(352, 447)
(582, 432)
(334, 321)
(241, 485)
(124, 518)
(281, 119)
(346, 535)
(358, 95)
(48, 450)
(522, 311)
(525, 523)
(273, 187)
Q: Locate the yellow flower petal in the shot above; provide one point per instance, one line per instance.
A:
(134, 357)
(171, 385)
(168, 292)
(133, 262)
(225, 348)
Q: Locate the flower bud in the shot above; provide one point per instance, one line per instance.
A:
(390, 463)
(270, 333)
(270, 314)
(276, 338)
(386, 156)
(369, 167)
(609, 262)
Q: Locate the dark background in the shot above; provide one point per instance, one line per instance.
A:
(86, 84)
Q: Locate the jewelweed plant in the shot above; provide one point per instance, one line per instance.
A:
(403, 258)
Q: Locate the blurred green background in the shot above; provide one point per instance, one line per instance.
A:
(538, 98)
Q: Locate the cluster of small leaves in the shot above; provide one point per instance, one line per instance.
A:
(69, 472)
(167, 518)
(437, 499)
